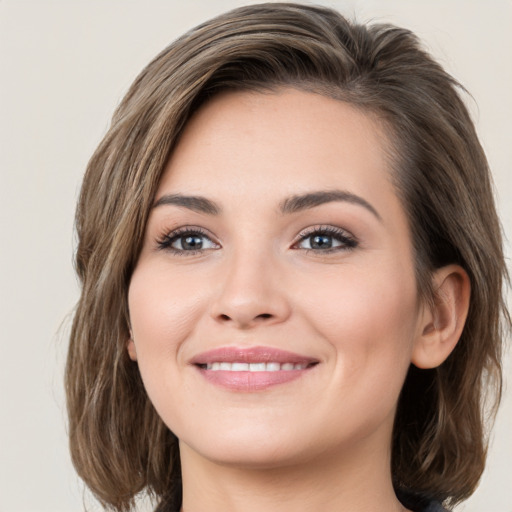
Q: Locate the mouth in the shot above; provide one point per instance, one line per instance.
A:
(272, 366)
(252, 368)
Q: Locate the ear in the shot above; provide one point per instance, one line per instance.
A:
(441, 325)
(130, 346)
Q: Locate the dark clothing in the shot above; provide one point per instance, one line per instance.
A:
(434, 506)
(418, 502)
(412, 501)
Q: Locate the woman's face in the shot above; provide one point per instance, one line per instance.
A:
(274, 307)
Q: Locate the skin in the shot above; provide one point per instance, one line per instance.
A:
(320, 442)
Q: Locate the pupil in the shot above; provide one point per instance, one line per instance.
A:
(321, 241)
(191, 242)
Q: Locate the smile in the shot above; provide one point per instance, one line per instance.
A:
(251, 368)
(254, 367)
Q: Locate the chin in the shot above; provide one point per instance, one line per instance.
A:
(247, 447)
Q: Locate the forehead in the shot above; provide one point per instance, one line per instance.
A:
(253, 148)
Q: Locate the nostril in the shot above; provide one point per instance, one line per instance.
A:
(262, 316)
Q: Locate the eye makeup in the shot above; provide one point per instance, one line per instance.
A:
(192, 240)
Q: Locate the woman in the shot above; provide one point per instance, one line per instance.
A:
(292, 276)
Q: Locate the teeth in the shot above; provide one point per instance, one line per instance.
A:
(254, 367)
(240, 367)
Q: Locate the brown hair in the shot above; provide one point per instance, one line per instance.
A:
(119, 445)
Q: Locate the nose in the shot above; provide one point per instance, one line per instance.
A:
(251, 293)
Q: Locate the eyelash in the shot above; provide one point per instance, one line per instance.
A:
(165, 241)
(348, 242)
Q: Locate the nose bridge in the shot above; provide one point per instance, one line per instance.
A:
(249, 291)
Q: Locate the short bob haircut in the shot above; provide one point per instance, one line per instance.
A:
(119, 445)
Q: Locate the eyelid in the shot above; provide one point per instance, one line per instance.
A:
(165, 240)
(348, 240)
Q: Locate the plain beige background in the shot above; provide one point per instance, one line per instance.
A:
(64, 65)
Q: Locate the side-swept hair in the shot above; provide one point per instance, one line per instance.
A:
(119, 445)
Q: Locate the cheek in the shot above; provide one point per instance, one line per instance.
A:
(162, 311)
(162, 315)
(368, 317)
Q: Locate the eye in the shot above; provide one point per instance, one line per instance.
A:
(325, 239)
(186, 241)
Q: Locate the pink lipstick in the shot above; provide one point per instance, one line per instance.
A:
(252, 368)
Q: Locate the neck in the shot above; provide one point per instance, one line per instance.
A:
(331, 483)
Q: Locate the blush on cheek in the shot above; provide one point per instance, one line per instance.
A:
(368, 320)
(164, 315)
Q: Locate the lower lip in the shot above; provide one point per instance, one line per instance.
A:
(251, 381)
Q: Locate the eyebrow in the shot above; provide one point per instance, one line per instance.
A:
(196, 203)
(290, 205)
(298, 203)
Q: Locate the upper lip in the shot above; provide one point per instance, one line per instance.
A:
(256, 354)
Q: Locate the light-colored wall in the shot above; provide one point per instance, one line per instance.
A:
(64, 66)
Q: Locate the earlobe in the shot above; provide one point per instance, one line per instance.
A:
(442, 324)
(130, 346)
